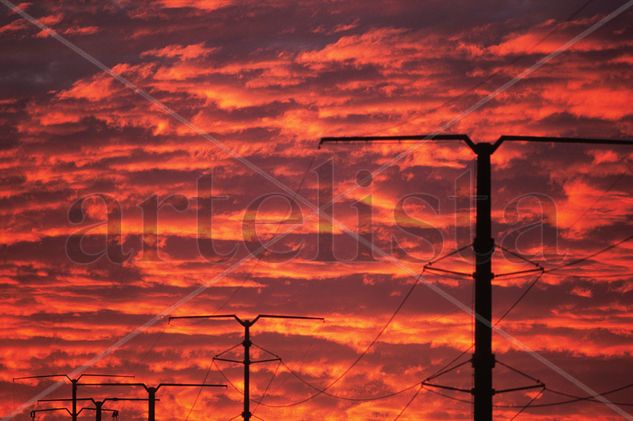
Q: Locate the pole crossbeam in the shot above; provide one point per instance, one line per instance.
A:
(483, 360)
(246, 344)
(34, 412)
(445, 387)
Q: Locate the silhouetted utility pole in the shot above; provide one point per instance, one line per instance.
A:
(74, 383)
(151, 392)
(483, 359)
(246, 344)
(99, 409)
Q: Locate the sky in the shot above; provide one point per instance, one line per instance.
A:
(184, 181)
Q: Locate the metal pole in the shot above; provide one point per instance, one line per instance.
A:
(246, 343)
(151, 404)
(98, 410)
(73, 414)
(247, 374)
(483, 359)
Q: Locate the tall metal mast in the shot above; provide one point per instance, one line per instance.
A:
(483, 360)
(246, 344)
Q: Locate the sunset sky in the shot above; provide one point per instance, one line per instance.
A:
(212, 110)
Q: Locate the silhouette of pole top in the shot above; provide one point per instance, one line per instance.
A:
(476, 147)
(76, 379)
(246, 322)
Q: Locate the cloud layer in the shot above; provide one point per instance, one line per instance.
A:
(267, 80)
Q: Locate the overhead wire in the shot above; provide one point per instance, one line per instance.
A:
(519, 298)
(346, 398)
(195, 402)
(447, 367)
(591, 255)
(324, 390)
(528, 404)
(410, 387)
(447, 396)
(585, 212)
(589, 398)
(226, 378)
(409, 403)
(385, 396)
(270, 382)
(320, 391)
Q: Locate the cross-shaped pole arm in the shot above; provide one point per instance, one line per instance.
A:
(207, 316)
(397, 138)
(158, 386)
(568, 140)
(245, 322)
(46, 376)
(466, 139)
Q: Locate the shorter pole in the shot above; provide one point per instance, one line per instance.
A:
(246, 343)
(247, 370)
(151, 403)
(98, 410)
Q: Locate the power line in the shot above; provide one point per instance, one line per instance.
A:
(344, 398)
(528, 404)
(392, 394)
(520, 298)
(195, 401)
(408, 404)
(522, 408)
(437, 392)
(267, 388)
(323, 390)
(591, 398)
(446, 368)
(592, 255)
(576, 399)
